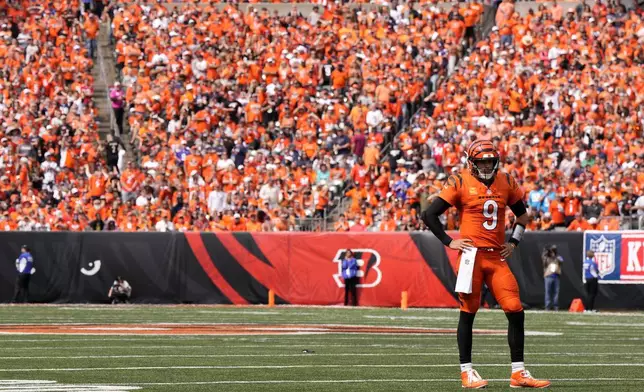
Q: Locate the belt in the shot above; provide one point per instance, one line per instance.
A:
(490, 249)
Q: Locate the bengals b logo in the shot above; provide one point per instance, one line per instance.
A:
(368, 262)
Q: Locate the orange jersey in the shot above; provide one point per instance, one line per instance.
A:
(482, 209)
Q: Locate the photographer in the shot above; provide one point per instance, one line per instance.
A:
(551, 272)
(120, 291)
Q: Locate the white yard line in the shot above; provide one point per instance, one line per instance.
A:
(599, 324)
(242, 324)
(362, 381)
(301, 355)
(52, 386)
(253, 312)
(431, 318)
(447, 352)
(37, 386)
(267, 345)
(259, 308)
(283, 332)
(267, 340)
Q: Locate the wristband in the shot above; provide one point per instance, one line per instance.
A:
(517, 234)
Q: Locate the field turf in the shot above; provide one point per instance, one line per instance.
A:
(581, 352)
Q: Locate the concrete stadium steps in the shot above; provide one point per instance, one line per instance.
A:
(102, 79)
(104, 73)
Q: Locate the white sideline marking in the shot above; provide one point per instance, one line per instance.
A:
(18, 382)
(433, 318)
(218, 338)
(392, 380)
(257, 312)
(45, 385)
(589, 324)
(444, 352)
(290, 366)
(262, 331)
(303, 344)
(296, 329)
(153, 307)
(298, 325)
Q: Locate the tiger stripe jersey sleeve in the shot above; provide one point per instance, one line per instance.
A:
(515, 192)
(451, 192)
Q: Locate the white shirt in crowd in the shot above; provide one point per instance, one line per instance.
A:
(224, 164)
(199, 68)
(173, 125)
(160, 23)
(217, 201)
(640, 203)
(567, 166)
(374, 118)
(143, 200)
(553, 55)
(484, 121)
(313, 18)
(554, 98)
(163, 226)
(26, 225)
(50, 169)
(271, 194)
(196, 181)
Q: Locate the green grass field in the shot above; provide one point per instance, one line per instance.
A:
(584, 352)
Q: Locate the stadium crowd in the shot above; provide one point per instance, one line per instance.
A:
(255, 121)
(560, 93)
(275, 114)
(49, 133)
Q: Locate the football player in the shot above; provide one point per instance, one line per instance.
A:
(481, 194)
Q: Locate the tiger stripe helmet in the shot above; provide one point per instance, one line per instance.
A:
(482, 151)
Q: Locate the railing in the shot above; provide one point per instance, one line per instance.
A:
(633, 222)
(101, 62)
(311, 224)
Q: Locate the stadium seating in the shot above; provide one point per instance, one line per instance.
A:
(241, 119)
(49, 131)
(565, 112)
(236, 122)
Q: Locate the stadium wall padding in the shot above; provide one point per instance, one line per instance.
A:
(301, 268)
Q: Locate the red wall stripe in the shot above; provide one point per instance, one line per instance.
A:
(264, 274)
(200, 252)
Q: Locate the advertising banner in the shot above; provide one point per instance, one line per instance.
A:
(302, 268)
(619, 255)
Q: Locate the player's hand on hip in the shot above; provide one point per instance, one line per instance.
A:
(507, 249)
(461, 244)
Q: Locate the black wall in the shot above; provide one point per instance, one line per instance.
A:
(162, 268)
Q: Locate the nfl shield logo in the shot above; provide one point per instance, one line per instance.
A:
(604, 254)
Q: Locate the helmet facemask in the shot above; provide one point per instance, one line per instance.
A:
(485, 169)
